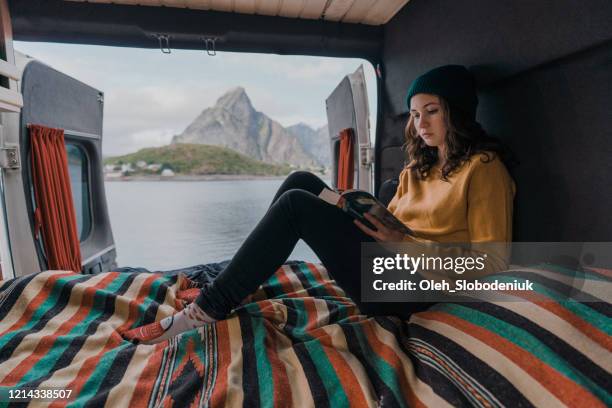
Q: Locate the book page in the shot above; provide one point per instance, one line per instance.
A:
(329, 196)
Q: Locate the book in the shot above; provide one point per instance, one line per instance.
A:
(356, 203)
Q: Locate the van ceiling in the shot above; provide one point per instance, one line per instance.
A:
(371, 12)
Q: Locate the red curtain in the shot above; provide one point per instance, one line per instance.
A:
(346, 171)
(54, 216)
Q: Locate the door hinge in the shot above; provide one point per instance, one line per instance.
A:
(9, 157)
(366, 155)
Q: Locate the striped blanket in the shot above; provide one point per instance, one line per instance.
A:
(298, 341)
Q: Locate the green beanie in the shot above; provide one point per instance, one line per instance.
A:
(454, 83)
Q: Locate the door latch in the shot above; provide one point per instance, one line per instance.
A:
(9, 157)
(366, 155)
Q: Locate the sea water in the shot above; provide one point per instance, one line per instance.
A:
(163, 225)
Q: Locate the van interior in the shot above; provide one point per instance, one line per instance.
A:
(544, 77)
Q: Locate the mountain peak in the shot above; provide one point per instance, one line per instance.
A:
(235, 97)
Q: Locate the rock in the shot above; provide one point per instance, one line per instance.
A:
(234, 123)
(315, 142)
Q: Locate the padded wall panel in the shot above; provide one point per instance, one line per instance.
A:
(495, 38)
(545, 75)
(392, 160)
(557, 120)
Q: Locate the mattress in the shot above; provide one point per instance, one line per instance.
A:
(299, 341)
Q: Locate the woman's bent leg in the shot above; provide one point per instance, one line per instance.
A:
(193, 315)
(301, 180)
(295, 214)
(330, 233)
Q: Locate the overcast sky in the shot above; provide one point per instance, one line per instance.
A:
(150, 96)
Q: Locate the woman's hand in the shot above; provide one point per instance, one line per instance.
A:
(383, 233)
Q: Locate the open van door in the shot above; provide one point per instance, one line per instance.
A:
(55, 100)
(347, 108)
(15, 257)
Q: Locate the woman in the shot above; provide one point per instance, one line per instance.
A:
(456, 189)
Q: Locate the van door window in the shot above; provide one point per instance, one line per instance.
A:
(78, 168)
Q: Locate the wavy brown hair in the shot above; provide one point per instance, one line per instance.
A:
(465, 138)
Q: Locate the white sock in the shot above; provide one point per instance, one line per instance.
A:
(187, 319)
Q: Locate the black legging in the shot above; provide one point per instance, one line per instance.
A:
(297, 212)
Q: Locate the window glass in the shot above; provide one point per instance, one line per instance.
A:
(79, 181)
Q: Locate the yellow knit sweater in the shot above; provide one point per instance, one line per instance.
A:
(473, 206)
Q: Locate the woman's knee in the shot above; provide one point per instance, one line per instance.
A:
(304, 180)
(300, 180)
(294, 197)
(301, 174)
(300, 205)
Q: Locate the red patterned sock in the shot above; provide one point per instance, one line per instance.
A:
(189, 295)
(187, 319)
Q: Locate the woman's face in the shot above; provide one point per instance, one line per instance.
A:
(428, 119)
